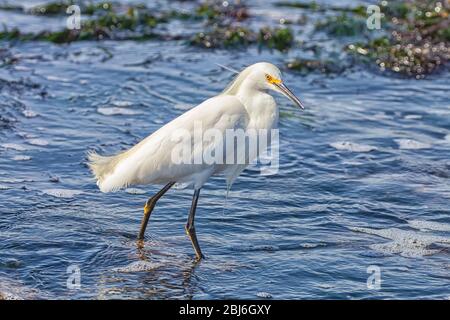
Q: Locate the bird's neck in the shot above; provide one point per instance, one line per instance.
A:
(260, 106)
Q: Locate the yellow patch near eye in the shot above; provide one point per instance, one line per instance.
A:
(272, 80)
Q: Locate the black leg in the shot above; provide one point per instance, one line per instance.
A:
(149, 208)
(190, 228)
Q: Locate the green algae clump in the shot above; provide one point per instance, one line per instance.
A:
(224, 37)
(279, 38)
(417, 43)
(343, 25)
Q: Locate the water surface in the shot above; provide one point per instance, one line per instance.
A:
(363, 180)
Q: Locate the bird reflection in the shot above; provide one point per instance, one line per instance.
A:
(152, 274)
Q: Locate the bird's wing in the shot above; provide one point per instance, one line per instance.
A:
(156, 159)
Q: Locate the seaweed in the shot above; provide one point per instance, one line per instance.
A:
(220, 11)
(51, 8)
(306, 66)
(60, 7)
(342, 25)
(136, 23)
(279, 38)
(414, 40)
(418, 41)
(11, 7)
(314, 6)
(224, 37)
(236, 36)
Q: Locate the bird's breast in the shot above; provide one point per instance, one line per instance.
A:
(263, 113)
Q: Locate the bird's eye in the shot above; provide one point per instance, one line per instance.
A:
(272, 80)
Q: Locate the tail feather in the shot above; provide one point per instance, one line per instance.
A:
(102, 167)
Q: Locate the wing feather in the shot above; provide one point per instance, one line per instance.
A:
(151, 160)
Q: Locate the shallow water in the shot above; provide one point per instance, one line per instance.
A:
(364, 180)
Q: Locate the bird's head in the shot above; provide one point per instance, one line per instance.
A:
(263, 76)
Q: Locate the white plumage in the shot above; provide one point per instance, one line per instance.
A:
(150, 161)
(243, 105)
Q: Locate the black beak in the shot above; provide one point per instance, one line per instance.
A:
(288, 93)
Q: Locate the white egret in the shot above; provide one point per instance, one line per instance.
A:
(244, 104)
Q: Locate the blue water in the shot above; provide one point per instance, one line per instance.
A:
(311, 231)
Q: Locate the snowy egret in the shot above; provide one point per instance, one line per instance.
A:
(244, 104)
